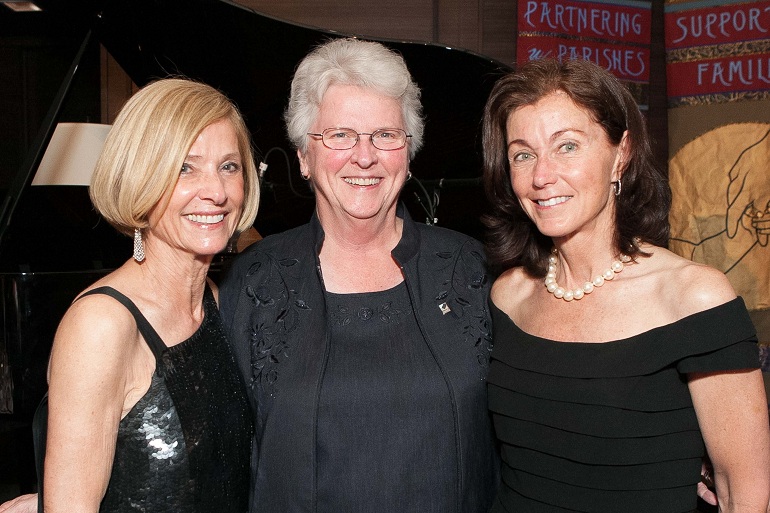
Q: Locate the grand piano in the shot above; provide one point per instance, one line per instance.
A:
(52, 244)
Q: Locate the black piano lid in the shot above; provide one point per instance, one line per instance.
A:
(251, 57)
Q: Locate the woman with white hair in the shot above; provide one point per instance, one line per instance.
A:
(363, 336)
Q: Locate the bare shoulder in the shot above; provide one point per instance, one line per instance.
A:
(99, 364)
(511, 287)
(502, 283)
(98, 313)
(692, 287)
(95, 331)
(99, 320)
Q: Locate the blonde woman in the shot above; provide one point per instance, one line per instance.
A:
(147, 410)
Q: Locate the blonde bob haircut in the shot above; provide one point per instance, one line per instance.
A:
(148, 144)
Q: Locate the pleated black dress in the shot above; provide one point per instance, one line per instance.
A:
(608, 427)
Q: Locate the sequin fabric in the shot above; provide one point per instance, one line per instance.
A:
(185, 446)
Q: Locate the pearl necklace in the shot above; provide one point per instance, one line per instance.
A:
(588, 287)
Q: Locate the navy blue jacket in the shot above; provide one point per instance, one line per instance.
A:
(273, 307)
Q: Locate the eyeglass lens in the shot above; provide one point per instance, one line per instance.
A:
(346, 138)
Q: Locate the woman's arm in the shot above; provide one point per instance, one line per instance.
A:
(732, 414)
(730, 405)
(89, 378)
(732, 409)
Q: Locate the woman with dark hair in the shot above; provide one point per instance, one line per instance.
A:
(641, 212)
(614, 360)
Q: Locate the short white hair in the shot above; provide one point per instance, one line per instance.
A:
(353, 62)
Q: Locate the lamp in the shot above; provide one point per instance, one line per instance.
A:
(71, 155)
(21, 6)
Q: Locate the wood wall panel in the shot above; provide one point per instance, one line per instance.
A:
(658, 109)
(498, 30)
(396, 19)
(487, 27)
(459, 24)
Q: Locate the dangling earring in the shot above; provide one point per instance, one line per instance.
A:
(138, 245)
(618, 186)
(408, 175)
(305, 177)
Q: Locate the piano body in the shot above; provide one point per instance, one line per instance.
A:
(52, 244)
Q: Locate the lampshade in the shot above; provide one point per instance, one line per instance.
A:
(72, 154)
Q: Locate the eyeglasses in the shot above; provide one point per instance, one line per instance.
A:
(346, 138)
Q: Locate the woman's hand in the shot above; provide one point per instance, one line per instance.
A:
(21, 504)
(706, 484)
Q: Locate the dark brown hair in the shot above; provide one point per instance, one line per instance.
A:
(641, 210)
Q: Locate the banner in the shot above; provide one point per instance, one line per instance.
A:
(625, 62)
(705, 23)
(608, 21)
(718, 80)
(739, 75)
(612, 34)
(717, 52)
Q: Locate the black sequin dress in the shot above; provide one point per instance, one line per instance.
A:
(185, 446)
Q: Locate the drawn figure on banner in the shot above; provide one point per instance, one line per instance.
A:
(720, 213)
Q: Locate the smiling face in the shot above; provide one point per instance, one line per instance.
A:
(204, 207)
(362, 182)
(562, 165)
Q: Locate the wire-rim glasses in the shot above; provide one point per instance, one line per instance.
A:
(346, 138)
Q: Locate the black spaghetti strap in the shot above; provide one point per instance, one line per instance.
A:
(157, 346)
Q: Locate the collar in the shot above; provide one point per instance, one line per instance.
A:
(406, 248)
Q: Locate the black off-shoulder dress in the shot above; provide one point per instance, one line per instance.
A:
(608, 427)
